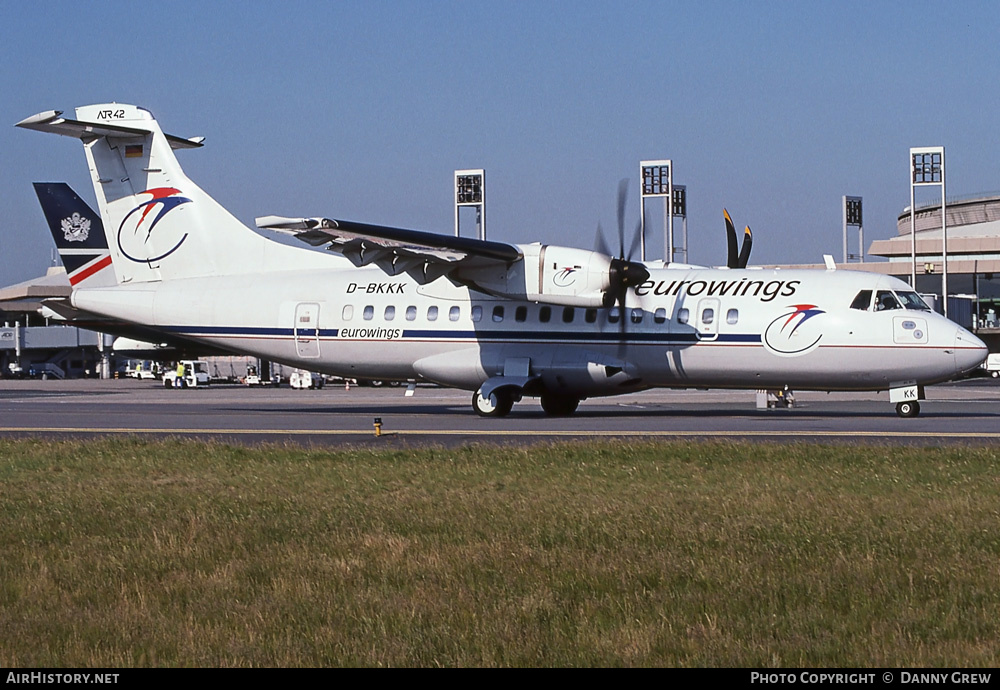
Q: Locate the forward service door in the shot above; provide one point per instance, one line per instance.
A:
(707, 319)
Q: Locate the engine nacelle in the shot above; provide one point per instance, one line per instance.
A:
(564, 276)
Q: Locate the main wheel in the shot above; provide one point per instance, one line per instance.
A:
(908, 409)
(496, 404)
(559, 405)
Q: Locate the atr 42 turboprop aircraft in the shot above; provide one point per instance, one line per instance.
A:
(502, 320)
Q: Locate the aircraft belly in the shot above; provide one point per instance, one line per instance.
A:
(460, 368)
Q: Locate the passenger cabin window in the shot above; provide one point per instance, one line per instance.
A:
(683, 315)
(348, 312)
(432, 313)
(590, 316)
(614, 315)
(568, 314)
(497, 314)
(636, 315)
(390, 313)
(477, 313)
(732, 316)
(708, 316)
(369, 313)
(885, 300)
(521, 314)
(660, 315)
(862, 301)
(545, 314)
(454, 313)
(411, 313)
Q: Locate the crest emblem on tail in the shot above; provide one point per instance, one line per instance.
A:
(76, 228)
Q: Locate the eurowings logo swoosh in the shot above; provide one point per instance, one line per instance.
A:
(135, 234)
(565, 277)
(783, 335)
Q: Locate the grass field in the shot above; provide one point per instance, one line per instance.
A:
(122, 553)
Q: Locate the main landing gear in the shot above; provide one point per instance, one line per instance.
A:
(559, 405)
(496, 404)
(499, 403)
(908, 408)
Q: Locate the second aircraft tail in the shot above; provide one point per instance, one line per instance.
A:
(78, 234)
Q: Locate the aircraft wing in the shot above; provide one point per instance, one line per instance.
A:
(423, 255)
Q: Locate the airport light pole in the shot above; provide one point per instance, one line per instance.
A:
(657, 181)
(680, 210)
(852, 216)
(470, 190)
(927, 169)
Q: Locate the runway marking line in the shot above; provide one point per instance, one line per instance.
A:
(509, 432)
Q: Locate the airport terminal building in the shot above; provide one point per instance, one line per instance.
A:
(973, 225)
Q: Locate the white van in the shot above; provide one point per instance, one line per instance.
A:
(195, 374)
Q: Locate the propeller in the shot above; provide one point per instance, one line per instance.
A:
(734, 259)
(624, 273)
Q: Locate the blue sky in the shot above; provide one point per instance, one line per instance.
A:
(363, 110)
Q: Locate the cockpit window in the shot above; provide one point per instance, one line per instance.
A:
(862, 301)
(912, 300)
(884, 300)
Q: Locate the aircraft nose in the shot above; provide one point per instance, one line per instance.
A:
(970, 351)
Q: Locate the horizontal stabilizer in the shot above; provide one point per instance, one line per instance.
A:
(51, 121)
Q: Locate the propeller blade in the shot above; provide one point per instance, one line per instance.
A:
(621, 322)
(732, 258)
(622, 198)
(600, 243)
(745, 251)
(636, 236)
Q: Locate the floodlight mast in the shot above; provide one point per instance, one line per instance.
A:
(470, 190)
(927, 169)
(853, 216)
(680, 210)
(657, 180)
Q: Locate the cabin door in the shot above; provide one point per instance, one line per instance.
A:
(307, 330)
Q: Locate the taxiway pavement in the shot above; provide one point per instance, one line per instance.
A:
(962, 412)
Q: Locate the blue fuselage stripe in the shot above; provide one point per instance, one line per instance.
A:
(484, 334)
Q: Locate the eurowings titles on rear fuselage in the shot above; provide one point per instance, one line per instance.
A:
(501, 320)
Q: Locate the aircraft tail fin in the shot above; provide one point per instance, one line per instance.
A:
(158, 224)
(78, 233)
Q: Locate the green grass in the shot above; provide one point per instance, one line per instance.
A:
(121, 553)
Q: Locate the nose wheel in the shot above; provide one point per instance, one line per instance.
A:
(908, 409)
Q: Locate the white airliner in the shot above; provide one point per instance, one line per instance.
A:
(502, 320)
